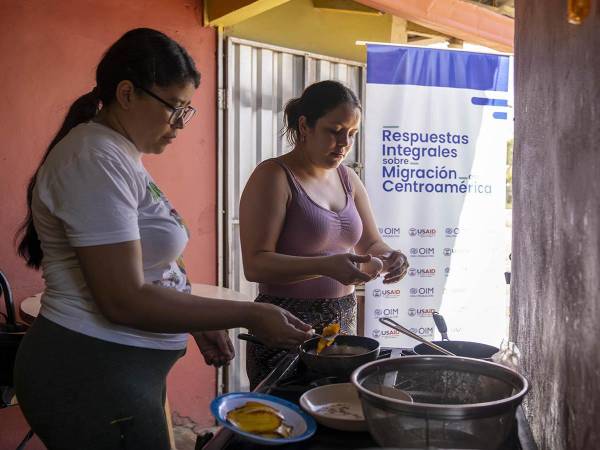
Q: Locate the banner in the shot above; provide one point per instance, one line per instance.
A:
(437, 123)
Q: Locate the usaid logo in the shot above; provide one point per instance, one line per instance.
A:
(389, 232)
(387, 293)
(452, 232)
(421, 273)
(422, 252)
(422, 292)
(386, 312)
(390, 293)
(423, 331)
(422, 232)
(421, 312)
(376, 333)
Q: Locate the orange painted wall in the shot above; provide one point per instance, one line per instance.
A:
(48, 53)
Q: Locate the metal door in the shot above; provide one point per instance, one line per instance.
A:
(259, 80)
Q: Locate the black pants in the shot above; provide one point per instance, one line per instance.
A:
(78, 392)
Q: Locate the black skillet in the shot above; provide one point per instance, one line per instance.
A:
(340, 359)
(459, 348)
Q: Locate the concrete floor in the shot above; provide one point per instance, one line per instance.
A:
(185, 437)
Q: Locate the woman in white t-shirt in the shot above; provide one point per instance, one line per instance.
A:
(90, 374)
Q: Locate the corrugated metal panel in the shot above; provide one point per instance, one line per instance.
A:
(260, 80)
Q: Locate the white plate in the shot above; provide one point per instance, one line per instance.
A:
(303, 425)
(335, 406)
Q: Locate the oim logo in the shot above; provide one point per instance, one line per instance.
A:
(386, 312)
(389, 232)
(422, 292)
(423, 331)
(422, 252)
(452, 232)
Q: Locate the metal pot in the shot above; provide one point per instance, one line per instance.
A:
(458, 403)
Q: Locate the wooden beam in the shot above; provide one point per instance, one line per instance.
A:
(399, 28)
(346, 6)
(424, 41)
(418, 30)
(455, 43)
(226, 13)
(466, 21)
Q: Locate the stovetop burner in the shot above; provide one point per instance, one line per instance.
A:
(291, 378)
(294, 383)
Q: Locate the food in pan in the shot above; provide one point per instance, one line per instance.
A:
(344, 350)
(329, 330)
(260, 419)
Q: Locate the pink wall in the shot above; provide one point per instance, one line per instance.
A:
(49, 52)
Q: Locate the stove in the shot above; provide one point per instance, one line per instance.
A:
(291, 378)
(291, 384)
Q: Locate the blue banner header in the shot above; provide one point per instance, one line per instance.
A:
(388, 64)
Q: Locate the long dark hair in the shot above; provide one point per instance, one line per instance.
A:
(143, 56)
(316, 101)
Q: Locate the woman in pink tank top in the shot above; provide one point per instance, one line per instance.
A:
(306, 224)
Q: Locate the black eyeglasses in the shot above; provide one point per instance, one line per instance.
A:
(183, 113)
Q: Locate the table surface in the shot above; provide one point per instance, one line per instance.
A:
(30, 307)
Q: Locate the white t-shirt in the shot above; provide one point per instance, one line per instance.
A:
(93, 190)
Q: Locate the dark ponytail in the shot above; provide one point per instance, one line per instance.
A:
(143, 56)
(317, 100)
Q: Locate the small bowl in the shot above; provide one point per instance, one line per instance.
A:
(303, 425)
(336, 406)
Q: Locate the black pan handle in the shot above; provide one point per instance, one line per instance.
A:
(440, 324)
(250, 338)
(11, 322)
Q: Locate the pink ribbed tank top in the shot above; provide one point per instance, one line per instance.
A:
(312, 230)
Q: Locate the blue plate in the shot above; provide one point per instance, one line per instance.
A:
(303, 425)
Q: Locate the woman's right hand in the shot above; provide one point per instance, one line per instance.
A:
(278, 328)
(344, 268)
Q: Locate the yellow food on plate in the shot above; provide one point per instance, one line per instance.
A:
(283, 431)
(329, 330)
(260, 405)
(258, 418)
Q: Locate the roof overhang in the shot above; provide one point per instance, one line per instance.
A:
(225, 13)
(466, 21)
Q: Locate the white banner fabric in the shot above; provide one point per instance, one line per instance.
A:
(437, 124)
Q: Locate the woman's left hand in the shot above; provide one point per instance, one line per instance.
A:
(396, 265)
(215, 346)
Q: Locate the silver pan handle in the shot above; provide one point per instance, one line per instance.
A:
(396, 326)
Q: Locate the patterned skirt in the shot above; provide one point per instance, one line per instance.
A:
(261, 360)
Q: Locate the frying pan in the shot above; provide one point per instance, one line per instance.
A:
(340, 359)
(459, 348)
